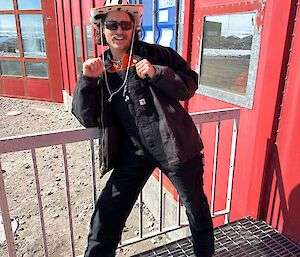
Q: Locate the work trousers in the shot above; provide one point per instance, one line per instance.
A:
(122, 189)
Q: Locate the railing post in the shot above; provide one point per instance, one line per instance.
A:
(231, 168)
(6, 217)
(216, 152)
(38, 191)
(68, 196)
(93, 171)
(160, 200)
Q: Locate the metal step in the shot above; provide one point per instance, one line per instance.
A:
(243, 238)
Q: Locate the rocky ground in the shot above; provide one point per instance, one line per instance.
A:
(19, 117)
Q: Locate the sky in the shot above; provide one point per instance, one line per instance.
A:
(23, 4)
(240, 25)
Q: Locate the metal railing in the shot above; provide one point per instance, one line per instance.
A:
(218, 116)
(35, 141)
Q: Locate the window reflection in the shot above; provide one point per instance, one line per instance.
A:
(10, 68)
(227, 43)
(36, 69)
(8, 36)
(89, 41)
(6, 5)
(78, 49)
(32, 31)
(29, 5)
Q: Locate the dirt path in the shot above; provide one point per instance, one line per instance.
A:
(34, 117)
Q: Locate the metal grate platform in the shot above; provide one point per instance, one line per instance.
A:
(244, 237)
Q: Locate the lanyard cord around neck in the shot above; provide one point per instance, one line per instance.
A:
(111, 94)
(103, 166)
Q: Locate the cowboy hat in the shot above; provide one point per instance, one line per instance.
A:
(97, 13)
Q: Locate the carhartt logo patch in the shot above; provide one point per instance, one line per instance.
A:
(142, 101)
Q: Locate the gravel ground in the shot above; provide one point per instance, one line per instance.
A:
(19, 117)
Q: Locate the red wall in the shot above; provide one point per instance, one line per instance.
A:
(281, 196)
(71, 14)
(67, 43)
(54, 86)
(256, 124)
(62, 43)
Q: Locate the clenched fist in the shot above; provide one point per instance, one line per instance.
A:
(93, 67)
(144, 68)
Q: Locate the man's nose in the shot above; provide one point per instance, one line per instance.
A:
(119, 28)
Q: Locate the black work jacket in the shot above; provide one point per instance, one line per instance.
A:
(173, 81)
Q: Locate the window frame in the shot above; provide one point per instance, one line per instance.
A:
(246, 100)
(21, 58)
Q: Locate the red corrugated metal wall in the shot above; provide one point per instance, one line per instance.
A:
(281, 194)
(73, 14)
(66, 37)
(256, 129)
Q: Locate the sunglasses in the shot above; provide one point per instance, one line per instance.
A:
(114, 25)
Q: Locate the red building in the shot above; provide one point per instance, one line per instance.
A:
(247, 54)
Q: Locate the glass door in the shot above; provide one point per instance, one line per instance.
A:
(24, 51)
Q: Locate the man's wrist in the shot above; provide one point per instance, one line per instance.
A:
(88, 78)
(157, 73)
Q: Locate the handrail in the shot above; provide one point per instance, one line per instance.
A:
(35, 141)
(38, 140)
(215, 115)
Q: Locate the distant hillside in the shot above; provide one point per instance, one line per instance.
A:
(231, 42)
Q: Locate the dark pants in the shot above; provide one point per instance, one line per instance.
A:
(122, 189)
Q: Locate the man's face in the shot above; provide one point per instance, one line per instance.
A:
(119, 39)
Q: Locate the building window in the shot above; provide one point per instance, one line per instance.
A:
(89, 40)
(36, 69)
(32, 32)
(78, 49)
(10, 68)
(6, 5)
(8, 36)
(22, 35)
(229, 58)
(29, 5)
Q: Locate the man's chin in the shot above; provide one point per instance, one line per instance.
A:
(120, 46)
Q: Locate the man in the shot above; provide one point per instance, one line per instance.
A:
(132, 93)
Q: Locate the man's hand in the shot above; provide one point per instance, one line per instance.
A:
(93, 67)
(144, 68)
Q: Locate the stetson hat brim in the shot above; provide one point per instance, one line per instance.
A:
(97, 13)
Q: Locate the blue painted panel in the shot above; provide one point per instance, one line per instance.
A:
(165, 25)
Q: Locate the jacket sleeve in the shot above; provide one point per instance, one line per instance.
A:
(85, 104)
(175, 78)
